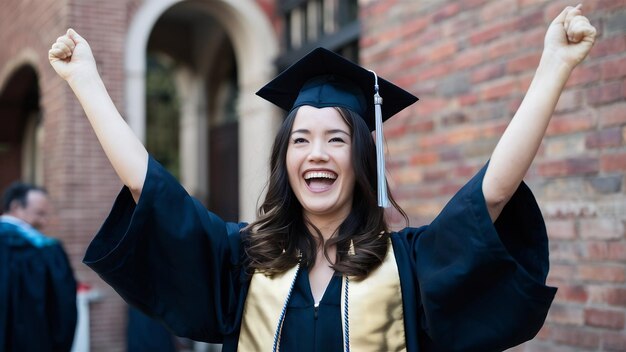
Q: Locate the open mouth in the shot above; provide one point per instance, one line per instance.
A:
(320, 180)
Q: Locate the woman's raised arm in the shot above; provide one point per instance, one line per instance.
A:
(567, 42)
(72, 59)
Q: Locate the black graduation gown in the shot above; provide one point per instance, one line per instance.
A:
(37, 293)
(467, 284)
(144, 334)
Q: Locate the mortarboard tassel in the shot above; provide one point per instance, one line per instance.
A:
(383, 199)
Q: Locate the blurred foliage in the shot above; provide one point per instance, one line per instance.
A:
(162, 112)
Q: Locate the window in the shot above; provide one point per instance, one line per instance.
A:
(332, 24)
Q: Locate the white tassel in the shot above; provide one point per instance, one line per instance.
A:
(383, 199)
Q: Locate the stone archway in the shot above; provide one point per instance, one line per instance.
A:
(21, 134)
(255, 46)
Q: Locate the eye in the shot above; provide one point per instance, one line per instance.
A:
(337, 139)
(299, 140)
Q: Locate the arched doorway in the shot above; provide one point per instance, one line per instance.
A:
(21, 134)
(191, 112)
(225, 50)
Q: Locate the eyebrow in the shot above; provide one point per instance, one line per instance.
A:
(305, 131)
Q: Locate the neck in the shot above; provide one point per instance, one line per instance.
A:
(327, 225)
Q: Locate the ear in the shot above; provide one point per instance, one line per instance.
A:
(15, 206)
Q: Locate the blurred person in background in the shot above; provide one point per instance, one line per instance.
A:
(37, 285)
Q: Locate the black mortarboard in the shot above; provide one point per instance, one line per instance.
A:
(324, 79)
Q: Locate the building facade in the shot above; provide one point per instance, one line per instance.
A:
(470, 63)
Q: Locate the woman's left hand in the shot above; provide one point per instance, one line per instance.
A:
(569, 37)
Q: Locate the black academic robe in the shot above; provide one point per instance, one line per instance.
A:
(37, 292)
(467, 284)
(144, 334)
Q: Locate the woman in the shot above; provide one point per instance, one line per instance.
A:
(318, 269)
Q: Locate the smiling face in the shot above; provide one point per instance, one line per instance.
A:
(319, 163)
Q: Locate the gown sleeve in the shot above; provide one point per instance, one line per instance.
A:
(171, 258)
(482, 285)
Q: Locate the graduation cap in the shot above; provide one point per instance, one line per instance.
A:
(324, 79)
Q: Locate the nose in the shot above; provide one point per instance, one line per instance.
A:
(318, 152)
(40, 223)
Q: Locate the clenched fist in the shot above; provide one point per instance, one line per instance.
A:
(71, 57)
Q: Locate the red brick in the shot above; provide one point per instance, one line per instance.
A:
(526, 3)
(561, 229)
(560, 273)
(376, 8)
(608, 46)
(421, 126)
(414, 25)
(575, 121)
(468, 58)
(612, 69)
(503, 88)
(614, 341)
(583, 75)
(529, 20)
(487, 72)
(424, 158)
(442, 50)
(566, 314)
(468, 99)
(427, 37)
(497, 9)
(600, 251)
(490, 32)
(614, 296)
(446, 11)
(501, 48)
(576, 337)
(605, 93)
(554, 8)
(602, 273)
(604, 138)
(569, 167)
(470, 4)
(429, 105)
(602, 228)
(568, 101)
(565, 251)
(533, 39)
(572, 293)
(604, 318)
(514, 103)
(436, 71)
(613, 162)
(604, 5)
(523, 63)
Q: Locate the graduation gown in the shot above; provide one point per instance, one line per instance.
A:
(467, 284)
(37, 292)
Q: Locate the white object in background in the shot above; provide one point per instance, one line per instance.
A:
(84, 295)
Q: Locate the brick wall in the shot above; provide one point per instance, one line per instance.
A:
(470, 62)
(104, 24)
(81, 183)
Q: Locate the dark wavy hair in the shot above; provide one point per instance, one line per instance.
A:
(280, 238)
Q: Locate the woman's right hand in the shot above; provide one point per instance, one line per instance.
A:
(71, 57)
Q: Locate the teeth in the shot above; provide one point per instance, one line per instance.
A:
(319, 174)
